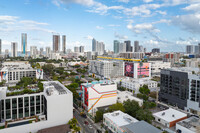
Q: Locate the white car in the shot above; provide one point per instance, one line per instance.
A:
(90, 126)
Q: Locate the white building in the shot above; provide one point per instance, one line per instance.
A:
(33, 51)
(135, 84)
(123, 96)
(53, 107)
(98, 94)
(193, 105)
(12, 72)
(195, 62)
(156, 67)
(106, 69)
(189, 125)
(116, 120)
(169, 117)
(14, 49)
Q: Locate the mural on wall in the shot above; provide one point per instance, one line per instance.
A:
(3, 75)
(129, 69)
(39, 73)
(143, 70)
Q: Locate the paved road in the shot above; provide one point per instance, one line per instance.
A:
(84, 128)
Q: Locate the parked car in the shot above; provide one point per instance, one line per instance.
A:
(90, 126)
(86, 123)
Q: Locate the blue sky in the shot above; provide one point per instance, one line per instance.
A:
(167, 24)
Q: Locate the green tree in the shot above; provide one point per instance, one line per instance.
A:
(145, 115)
(99, 116)
(131, 107)
(144, 90)
(48, 68)
(115, 107)
(2, 83)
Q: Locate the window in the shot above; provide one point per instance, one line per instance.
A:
(7, 104)
(14, 103)
(20, 102)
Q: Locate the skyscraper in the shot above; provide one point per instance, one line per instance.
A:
(13, 49)
(64, 44)
(76, 49)
(128, 46)
(48, 51)
(94, 45)
(24, 43)
(56, 43)
(116, 46)
(6, 53)
(33, 51)
(41, 51)
(136, 46)
(0, 46)
(81, 49)
(155, 50)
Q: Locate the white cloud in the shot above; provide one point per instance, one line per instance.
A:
(162, 21)
(5, 42)
(13, 23)
(147, 1)
(189, 41)
(30, 22)
(99, 27)
(193, 7)
(162, 12)
(189, 22)
(140, 28)
(125, 1)
(82, 2)
(142, 10)
(89, 37)
(120, 37)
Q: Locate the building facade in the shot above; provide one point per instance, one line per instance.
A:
(53, 107)
(14, 49)
(56, 43)
(157, 66)
(64, 44)
(12, 72)
(98, 94)
(24, 43)
(106, 69)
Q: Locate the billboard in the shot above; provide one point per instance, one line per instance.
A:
(129, 69)
(3, 75)
(143, 70)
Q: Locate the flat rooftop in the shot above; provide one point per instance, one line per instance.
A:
(120, 118)
(191, 124)
(101, 82)
(55, 87)
(141, 127)
(170, 115)
(125, 95)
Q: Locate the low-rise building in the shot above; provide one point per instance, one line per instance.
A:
(156, 67)
(48, 108)
(98, 94)
(115, 120)
(135, 84)
(106, 69)
(169, 117)
(140, 127)
(123, 96)
(189, 125)
(12, 72)
(119, 122)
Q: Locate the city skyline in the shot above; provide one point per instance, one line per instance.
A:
(169, 25)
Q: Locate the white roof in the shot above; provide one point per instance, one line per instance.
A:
(170, 115)
(125, 95)
(120, 118)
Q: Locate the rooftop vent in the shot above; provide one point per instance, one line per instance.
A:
(163, 113)
(173, 115)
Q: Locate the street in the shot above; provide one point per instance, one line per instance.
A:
(84, 127)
